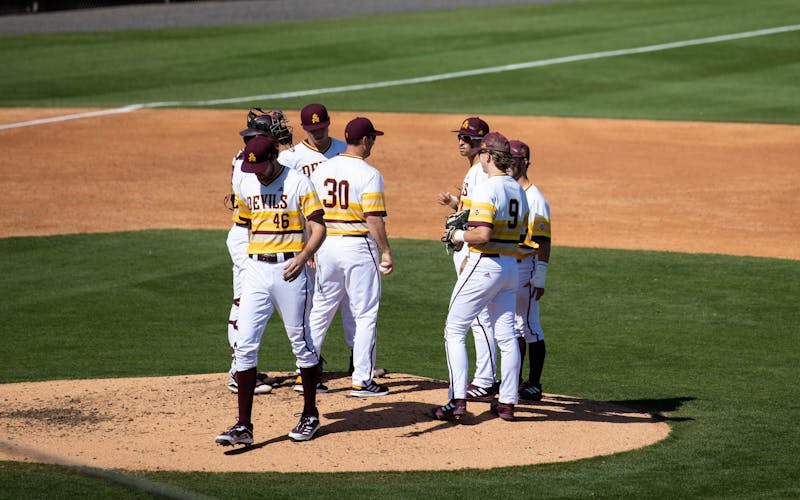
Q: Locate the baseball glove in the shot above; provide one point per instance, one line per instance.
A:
(454, 222)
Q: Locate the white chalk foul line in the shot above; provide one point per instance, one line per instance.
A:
(422, 79)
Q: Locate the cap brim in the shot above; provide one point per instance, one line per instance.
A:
(316, 126)
(254, 168)
(378, 132)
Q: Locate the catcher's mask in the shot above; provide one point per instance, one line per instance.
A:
(272, 123)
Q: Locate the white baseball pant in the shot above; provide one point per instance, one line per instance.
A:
(263, 292)
(482, 335)
(527, 323)
(490, 283)
(348, 266)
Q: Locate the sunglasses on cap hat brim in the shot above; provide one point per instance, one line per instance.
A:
(469, 138)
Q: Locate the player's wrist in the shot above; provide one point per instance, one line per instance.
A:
(458, 236)
(540, 274)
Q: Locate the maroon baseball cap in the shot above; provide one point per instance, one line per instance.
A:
(519, 149)
(257, 154)
(314, 117)
(495, 141)
(360, 127)
(473, 127)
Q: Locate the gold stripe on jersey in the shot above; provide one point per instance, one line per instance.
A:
(350, 221)
(280, 230)
(504, 239)
(374, 204)
(236, 216)
(347, 222)
(540, 227)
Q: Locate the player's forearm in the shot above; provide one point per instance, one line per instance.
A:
(377, 229)
(477, 235)
(543, 253)
(316, 235)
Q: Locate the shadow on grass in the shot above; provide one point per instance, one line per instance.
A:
(657, 407)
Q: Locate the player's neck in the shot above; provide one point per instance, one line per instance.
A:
(493, 171)
(356, 150)
(322, 145)
(270, 174)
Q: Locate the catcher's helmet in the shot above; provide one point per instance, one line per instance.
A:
(271, 123)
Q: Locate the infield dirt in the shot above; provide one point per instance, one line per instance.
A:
(675, 186)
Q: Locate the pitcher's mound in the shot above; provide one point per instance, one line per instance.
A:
(169, 423)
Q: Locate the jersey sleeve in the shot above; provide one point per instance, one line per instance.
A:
(236, 179)
(310, 204)
(372, 200)
(482, 207)
(539, 223)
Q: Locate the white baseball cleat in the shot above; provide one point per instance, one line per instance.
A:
(369, 390)
(261, 386)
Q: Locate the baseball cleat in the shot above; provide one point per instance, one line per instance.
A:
(262, 387)
(238, 434)
(369, 390)
(531, 392)
(306, 427)
(298, 386)
(232, 385)
(503, 410)
(480, 394)
(456, 409)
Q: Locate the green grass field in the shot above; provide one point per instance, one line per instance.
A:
(707, 342)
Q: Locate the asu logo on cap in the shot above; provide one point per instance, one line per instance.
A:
(251, 157)
(473, 127)
(314, 117)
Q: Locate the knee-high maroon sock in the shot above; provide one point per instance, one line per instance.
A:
(537, 352)
(311, 377)
(246, 381)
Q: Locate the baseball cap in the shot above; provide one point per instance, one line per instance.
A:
(473, 127)
(495, 141)
(519, 149)
(314, 117)
(257, 153)
(360, 127)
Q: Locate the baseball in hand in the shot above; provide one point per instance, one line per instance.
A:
(383, 269)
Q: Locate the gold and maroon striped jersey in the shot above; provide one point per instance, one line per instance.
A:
(236, 178)
(350, 190)
(538, 220)
(500, 204)
(474, 177)
(277, 212)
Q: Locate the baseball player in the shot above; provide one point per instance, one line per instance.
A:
(286, 228)
(259, 122)
(348, 263)
(483, 387)
(304, 157)
(317, 147)
(532, 273)
(497, 223)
